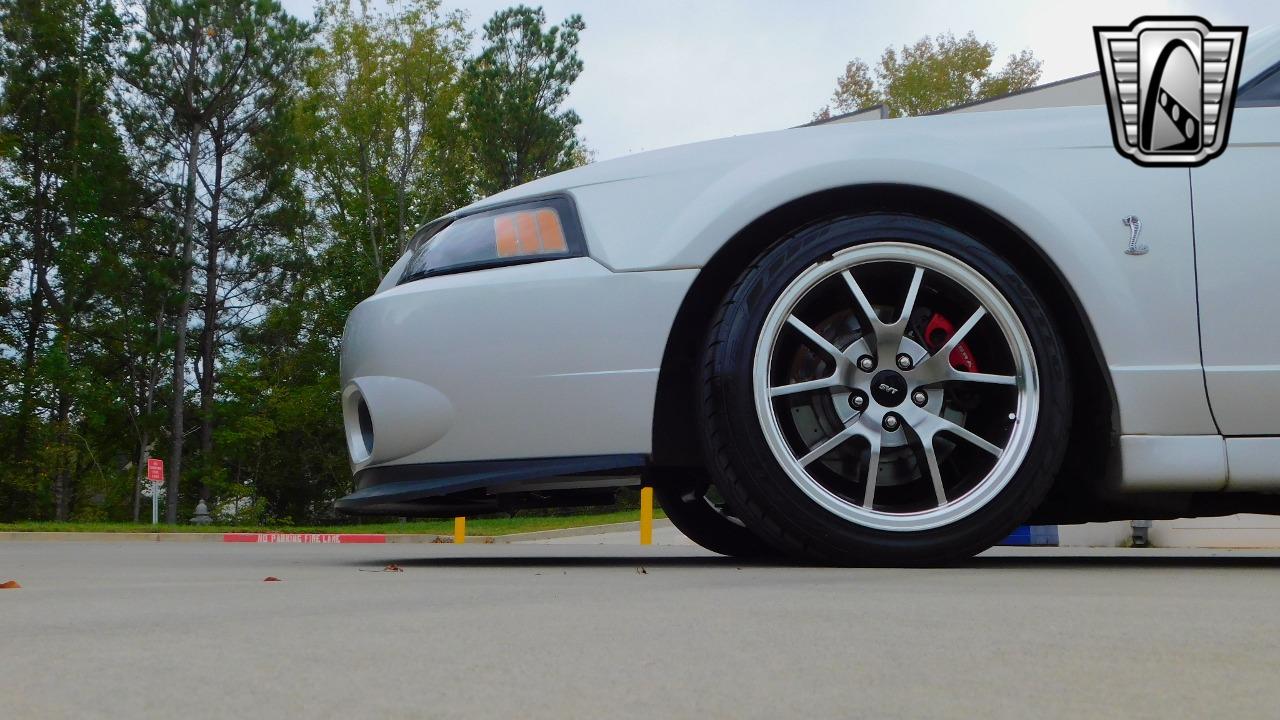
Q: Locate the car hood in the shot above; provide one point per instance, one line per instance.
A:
(907, 138)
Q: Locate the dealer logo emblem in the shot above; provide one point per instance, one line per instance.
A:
(1170, 84)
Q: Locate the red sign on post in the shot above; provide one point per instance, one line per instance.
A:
(155, 470)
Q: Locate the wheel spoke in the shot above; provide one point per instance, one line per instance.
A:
(961, 376)
(815, 338)
(909, 305)
(873, 468)
(937, 367)
(958, 337)
(829, 444)
(935, 474)
(887, 337)
(864, 304)
(807, 385)
(940, 424)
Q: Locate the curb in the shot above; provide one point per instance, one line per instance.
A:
(321, 538)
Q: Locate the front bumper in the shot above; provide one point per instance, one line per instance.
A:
(557, 359)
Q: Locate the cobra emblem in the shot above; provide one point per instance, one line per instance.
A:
(1135, 229)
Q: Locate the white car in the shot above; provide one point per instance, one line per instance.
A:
(885, 343)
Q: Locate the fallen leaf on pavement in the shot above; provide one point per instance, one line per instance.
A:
(641, 571)
(389, 568)
(9, 585)
(271, 578)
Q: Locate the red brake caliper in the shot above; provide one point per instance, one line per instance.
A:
(936, 334)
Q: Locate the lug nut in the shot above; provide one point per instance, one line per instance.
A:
(905, 362)
(866, 363)
(857, 401)
(890, 422)
(920, 397)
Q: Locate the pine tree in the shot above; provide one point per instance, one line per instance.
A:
(67, 199)
(209, 82)
(515, 89)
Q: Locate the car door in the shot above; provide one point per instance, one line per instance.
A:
(1236, 207)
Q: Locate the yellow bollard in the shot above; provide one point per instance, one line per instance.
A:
(459, 530)
(646, 516)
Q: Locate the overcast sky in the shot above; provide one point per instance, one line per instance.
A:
(666, 72)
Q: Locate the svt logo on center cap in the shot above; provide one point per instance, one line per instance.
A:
(888, 388)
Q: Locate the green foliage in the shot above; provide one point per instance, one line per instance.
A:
(381, 112)
(194, 194)
(932, 74)
(209, 107)
(68, 220)
(515, 89)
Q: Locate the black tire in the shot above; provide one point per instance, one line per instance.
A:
(682, 495)
(749, 475)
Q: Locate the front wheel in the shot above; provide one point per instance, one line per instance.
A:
(883, 389)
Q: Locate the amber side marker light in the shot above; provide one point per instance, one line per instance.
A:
(529, 232)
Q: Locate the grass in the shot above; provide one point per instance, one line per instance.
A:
(478, 526)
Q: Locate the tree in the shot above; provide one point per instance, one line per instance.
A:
(171, 96)
(515, 89)
(193, 196)
(382, 111)
(247, 182)
(932, 74)
(207, 80)
(67, 201)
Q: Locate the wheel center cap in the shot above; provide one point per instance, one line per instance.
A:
(889, 388)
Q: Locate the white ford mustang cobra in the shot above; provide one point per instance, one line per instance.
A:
(886, 342)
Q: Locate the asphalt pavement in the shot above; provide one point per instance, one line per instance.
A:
(599, 628)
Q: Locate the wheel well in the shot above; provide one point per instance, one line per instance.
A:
(675, 432)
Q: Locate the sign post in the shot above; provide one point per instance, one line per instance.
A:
(155, 473)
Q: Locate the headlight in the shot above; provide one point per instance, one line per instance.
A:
(545, 229)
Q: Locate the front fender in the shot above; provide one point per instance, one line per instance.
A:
(1069, 201)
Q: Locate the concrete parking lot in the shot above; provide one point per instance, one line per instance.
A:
(589, 630)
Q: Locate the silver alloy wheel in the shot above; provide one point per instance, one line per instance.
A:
(921, 429)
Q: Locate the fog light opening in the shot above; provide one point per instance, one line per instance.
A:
(359, 422)
(366, 425)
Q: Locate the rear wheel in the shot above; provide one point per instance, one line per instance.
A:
(698, 511)
(883, 389)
